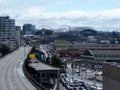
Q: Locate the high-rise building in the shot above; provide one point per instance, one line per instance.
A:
(17, 35)
(28, 29)
(7, 31)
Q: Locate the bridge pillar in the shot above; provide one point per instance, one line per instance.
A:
(58, 79)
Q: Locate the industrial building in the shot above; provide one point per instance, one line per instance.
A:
(101, 55)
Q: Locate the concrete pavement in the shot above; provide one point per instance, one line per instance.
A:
(62, 87)
(11, 76)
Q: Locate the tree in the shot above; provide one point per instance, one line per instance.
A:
(56, 61)
(4, 49)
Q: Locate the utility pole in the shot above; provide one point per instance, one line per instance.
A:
(24, 51)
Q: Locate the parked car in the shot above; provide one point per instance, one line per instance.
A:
(97, 87)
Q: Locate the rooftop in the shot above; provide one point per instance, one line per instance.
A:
(106, 52)
(103, 53)
(39, 66)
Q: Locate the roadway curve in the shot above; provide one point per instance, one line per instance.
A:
(11, 74)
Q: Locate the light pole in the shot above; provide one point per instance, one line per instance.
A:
(79, 66)
(24, 54)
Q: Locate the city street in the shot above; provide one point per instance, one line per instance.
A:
(11, 76)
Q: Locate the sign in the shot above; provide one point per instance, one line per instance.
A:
(31, 56)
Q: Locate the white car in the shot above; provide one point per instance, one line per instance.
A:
(97, 87)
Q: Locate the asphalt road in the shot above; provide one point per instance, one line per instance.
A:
(11, 74)
(62, 87)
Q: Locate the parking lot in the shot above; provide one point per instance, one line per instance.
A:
(69, 82)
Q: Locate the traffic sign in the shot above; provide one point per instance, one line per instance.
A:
(31, 56)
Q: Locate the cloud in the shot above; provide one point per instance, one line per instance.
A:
(37, 13)
(101, 20)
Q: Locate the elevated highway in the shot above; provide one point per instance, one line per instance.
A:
(11, 74)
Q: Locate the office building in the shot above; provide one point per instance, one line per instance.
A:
(111, 76)
(7, 31)
(17, 35)
(28, 29)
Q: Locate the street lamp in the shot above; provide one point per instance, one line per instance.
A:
(24, 51)
(79, 66)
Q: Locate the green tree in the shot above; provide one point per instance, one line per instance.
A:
(4, 49)
(56, 61)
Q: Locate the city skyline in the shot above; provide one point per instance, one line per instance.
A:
(99, 14)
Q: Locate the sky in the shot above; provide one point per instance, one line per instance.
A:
(103, 15)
